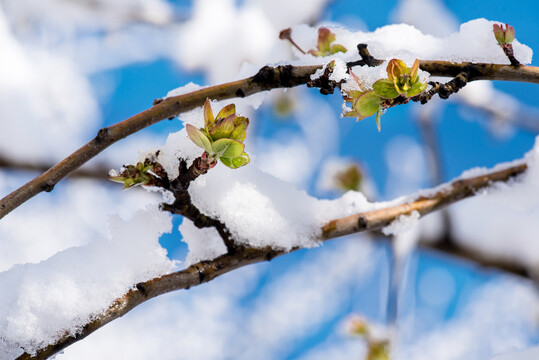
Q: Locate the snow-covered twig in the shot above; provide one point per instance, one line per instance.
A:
(447, 195)
(208, 270)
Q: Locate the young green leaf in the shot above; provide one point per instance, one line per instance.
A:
(353, 113)
(396, 68)
(503, 36)
(385, 88)
(236, 162)
(324, 46)
(367, 104)
(226, 112)
(223, 129)
(337, 48)
(199, 138)
(240, 131)
(241, 160)
(414, 76)
(417, 88)
(209, 120)
(325, 38)
(227, 148)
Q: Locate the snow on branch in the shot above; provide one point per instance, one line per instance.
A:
(266, 79)
(204, 271)
(448, 194)
(268, 218)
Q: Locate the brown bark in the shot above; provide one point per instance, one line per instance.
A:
(208, 270)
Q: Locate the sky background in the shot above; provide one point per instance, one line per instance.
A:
(440, 286)
(297, 305)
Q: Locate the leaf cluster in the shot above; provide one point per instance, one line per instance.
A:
(401, 81)
(148, 173)
(222, 136)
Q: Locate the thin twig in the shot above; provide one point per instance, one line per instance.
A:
(286, 34)
(455, 191)
(208, 270)
(183, 205)
(482, 71)
(508, 51)
(522, 116)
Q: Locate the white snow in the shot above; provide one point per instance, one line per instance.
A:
(66, 18)
(474, 42)
(199, 46)
(204, 322)
(402, 224)
(488, 221)
(404, 229)
(64, 292)
(83, 208)
(204, 244)
(60, 267)
(43, 97)
(187, 88)
(261, 210)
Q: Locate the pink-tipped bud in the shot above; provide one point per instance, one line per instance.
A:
(503, 36)
(509, 34)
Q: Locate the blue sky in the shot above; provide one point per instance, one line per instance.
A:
(465, 143)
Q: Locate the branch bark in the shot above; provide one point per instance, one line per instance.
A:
(208, 270)
(482, 71)
(266, 79)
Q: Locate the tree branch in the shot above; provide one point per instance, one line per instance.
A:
(266, 79)
(482, 71)
(208, 270)
(455, 191)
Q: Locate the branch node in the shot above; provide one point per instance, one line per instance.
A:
(270, 255)
(362, 222)
(366, 58)
(324, 83)
(444, 91)
(140, 287)
(272, 77)
(102, 135)
(200, 269)
(240, 93)
(48, 186)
